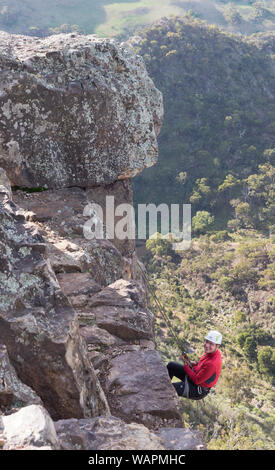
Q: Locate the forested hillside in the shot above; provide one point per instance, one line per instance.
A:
(217, 152)
(217, 145)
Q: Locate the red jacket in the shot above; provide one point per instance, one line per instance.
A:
(207, 370)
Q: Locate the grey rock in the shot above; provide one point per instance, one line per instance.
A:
(120, 308)
(105, 433)
(75, 110)
(75, 284)
(110, 198)
(5, 186)
(181, 439)
(38, 324)
(30, 428)
(138, 389)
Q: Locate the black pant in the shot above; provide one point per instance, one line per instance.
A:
(195, 392)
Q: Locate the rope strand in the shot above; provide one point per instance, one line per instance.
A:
(182, 344)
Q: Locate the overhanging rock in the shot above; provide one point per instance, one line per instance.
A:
(75, 111)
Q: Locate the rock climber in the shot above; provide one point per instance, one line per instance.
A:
(197, 378)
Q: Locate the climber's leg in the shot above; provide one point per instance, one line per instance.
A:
(186, 387)
(179, 387)
(176, 370)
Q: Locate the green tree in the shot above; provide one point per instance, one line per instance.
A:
(201, 193)
(229, 186)
(262, 194)
(241, 338)
(250, 348)
(202, 221)
(159, 246)
(266, 360)
(244, 215)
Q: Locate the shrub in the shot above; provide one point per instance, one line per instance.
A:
(266, 360)
(226, 282)
(239, 316)
(159, 246)
(250, 348)
(219, 236)
(201, 221)
(241, 338)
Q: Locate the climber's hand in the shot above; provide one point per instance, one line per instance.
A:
(186, 361)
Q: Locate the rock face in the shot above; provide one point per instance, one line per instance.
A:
(78, 116)
(38, 325)
(121, 309)
(118, 193)
(68, 102)
(59, 217)
(118, 329)
(137, 386)
(5, 186)
(178, 439)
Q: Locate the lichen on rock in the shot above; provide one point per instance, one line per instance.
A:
(75, 111)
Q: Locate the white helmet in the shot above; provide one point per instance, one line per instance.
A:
(214, 336)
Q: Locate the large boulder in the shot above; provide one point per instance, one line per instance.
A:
(75, 110)
(30, 428)
(138, 388)
(38, 324)
(105, 433)
(121, 309)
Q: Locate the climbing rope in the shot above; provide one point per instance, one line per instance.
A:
(182, 344)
